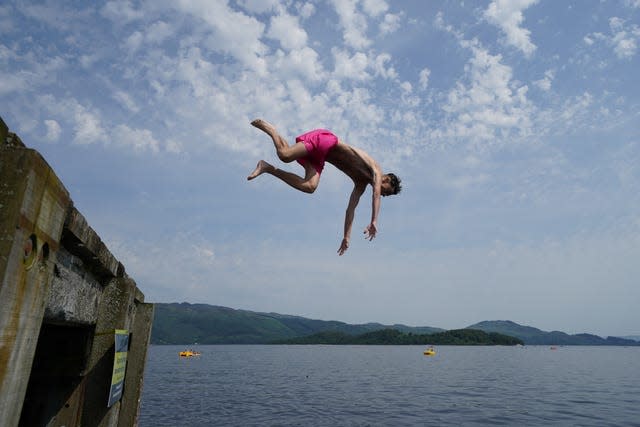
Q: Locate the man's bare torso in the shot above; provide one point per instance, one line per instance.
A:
(353, 162)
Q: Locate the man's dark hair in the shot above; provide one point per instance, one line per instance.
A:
(395, 183)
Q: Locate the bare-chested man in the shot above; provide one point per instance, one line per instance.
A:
(313, 150)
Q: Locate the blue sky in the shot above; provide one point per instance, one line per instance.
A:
(514, 126)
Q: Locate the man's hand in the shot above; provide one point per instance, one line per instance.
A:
(343, 246)
(370, 231)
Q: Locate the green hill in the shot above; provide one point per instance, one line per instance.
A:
(534, 336)
(186, 323)
(395, 337)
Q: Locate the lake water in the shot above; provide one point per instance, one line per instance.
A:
(244, 385)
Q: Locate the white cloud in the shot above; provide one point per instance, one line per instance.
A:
(507, 15)
(134, 42)
(304, 101)
(87, 126)
(121, 11)
(6, 54)
(625, 164)
(87, 61)
(486, 103)
(302, 62)
(126, 101)
(230, 31)
(575, 107)
(374, 8)
(382, 69)
(210, 84)
(624, 38)
(158, 32)
(52, 15)
(173, 146)
(259, 6)
(29, 71)
(306, 10)
(545, 83)
(10, 82)
(53, 130)
(204, 254)
(198, 73)
(286, 29)
(354, 24)
(357, 103)
(138, 139)
(424, 78)
(439, 23)
(350, 67)
(588, 40)
(390, 23)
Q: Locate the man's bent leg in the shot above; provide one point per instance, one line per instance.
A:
(287, 153)
(308, 184)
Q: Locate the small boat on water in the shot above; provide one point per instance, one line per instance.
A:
(189, 353)
(430, 352)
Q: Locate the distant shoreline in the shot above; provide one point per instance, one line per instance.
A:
(185, 323)
(395, 337)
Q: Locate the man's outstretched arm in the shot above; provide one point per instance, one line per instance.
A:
(376, 185)
(348, 217)
(372, 228)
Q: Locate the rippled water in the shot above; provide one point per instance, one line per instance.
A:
(241, 385)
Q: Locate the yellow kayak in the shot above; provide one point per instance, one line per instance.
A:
(430, 352)
(189, 353)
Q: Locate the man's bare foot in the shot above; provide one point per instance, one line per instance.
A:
(261, 168)
(263, 126)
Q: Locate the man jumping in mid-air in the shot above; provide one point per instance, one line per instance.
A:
(314, 149)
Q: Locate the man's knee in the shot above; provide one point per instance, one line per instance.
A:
(286, 156)
(310, 186)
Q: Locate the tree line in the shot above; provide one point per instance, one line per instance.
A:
(395, 337)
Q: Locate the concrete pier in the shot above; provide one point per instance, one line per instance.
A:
(62, 296)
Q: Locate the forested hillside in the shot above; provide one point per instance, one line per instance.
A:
(395, 337)
(184, 323)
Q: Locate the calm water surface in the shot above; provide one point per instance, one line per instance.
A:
(243, 385)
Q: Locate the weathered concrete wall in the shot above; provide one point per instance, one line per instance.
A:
(75, 293)
(34, 204)
(62, 294)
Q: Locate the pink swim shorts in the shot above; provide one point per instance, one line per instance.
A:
(318, 143)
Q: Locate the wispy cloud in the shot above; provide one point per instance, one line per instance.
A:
(487, 103)
(507, 15)
(545, 83)
(287, 31)
(53, 130)
(623, 38)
